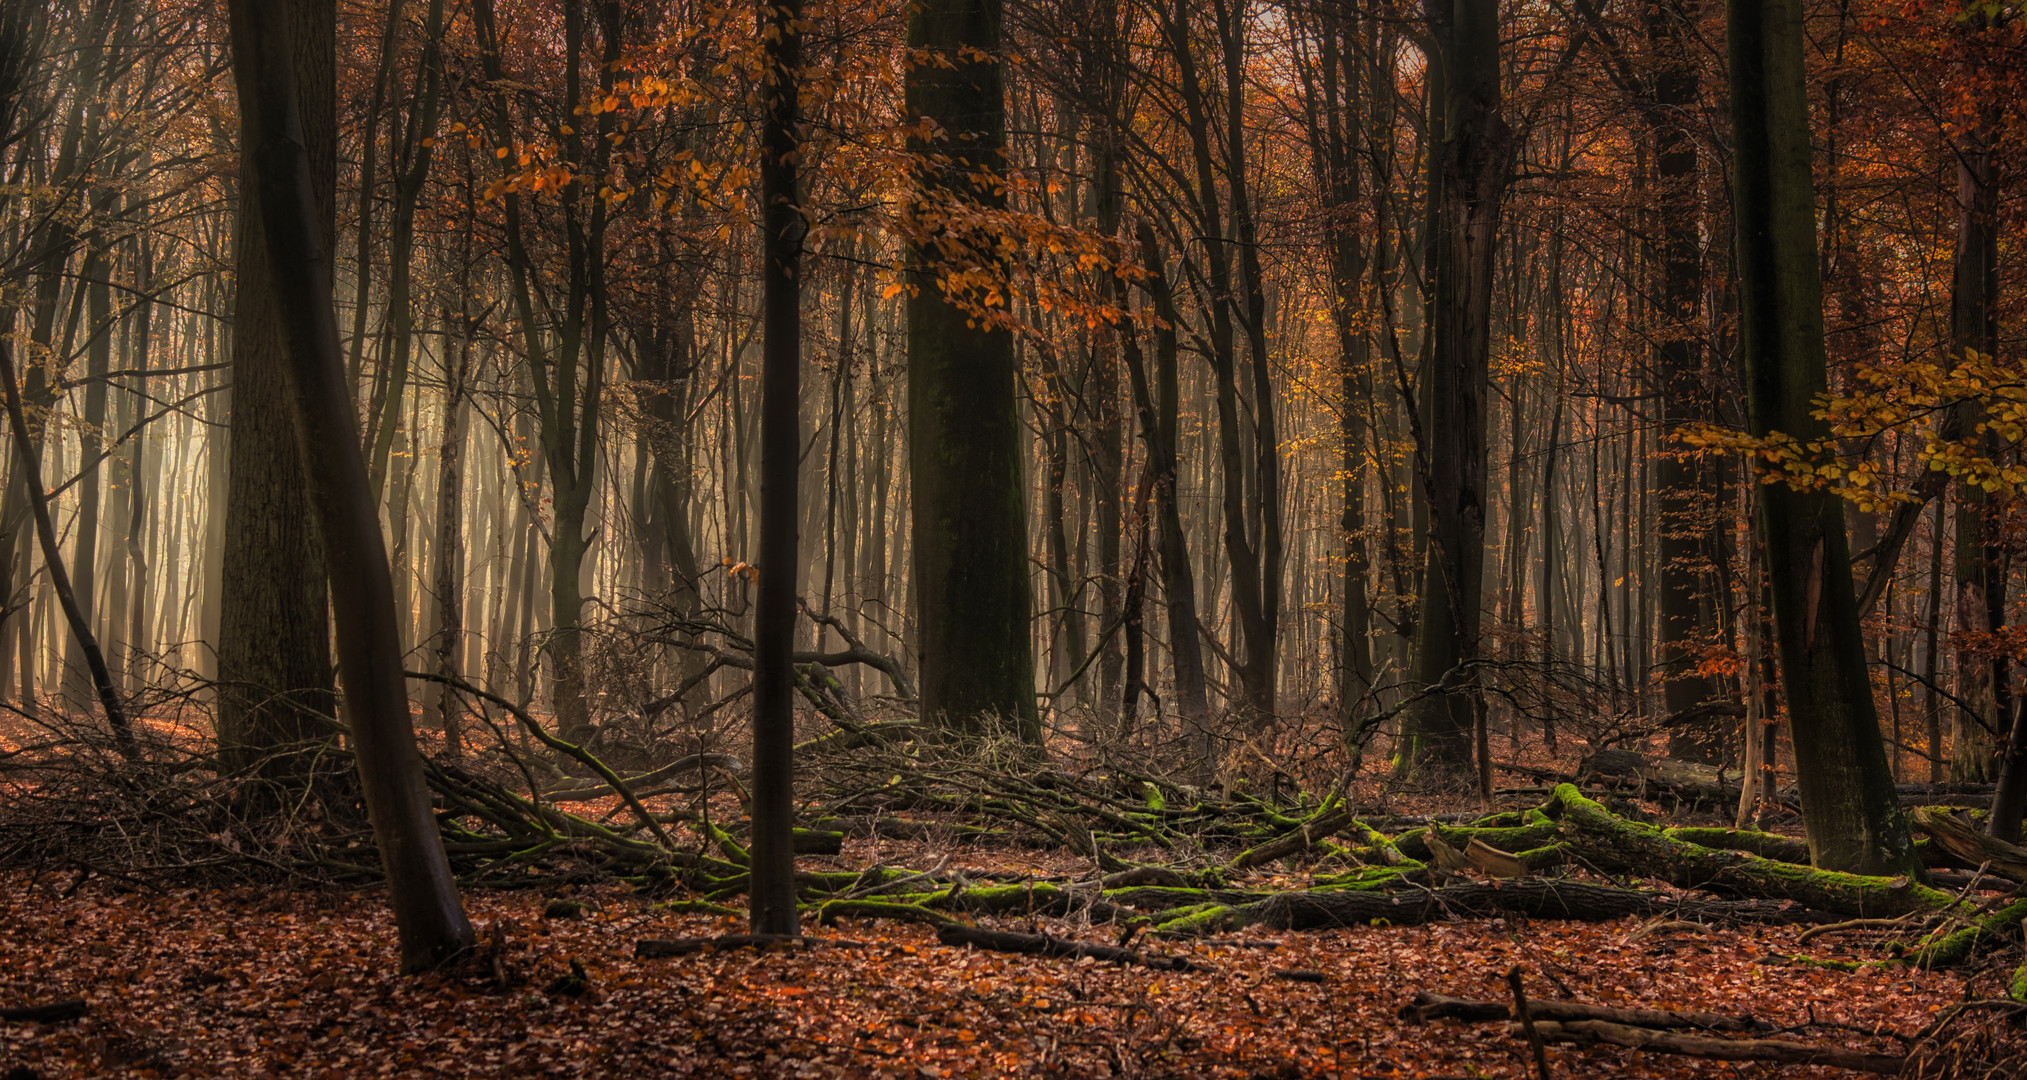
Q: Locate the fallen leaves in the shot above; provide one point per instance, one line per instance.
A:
(246, 984)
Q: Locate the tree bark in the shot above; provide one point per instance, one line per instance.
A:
(1476, 158)
(969, 511)
(1852, 818)
(274, 647)
(277, 162)
(773, 850)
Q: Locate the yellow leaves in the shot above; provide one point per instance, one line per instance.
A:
(502, 152)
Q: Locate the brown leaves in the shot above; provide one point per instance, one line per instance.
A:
(245, 984)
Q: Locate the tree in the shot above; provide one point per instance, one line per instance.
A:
(276, 163)
(274, 645)
(1852, 815)
(773, 855)
(1470, 181)
(972, 603)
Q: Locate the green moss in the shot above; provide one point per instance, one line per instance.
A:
(694, 907)
(1504, 837)
(1765, 845)
(830, 911)
(1199, 919)
(1369, 879)
(1957, 947)
(730, 847)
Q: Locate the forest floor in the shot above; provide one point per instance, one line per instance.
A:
(273, 981)
(253, 983)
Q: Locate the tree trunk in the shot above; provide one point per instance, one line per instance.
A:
(773, 851)
(970, 529)
(274, 647)
(1686, 503)
(277, 162)
(1853, 818)
(1476, 159)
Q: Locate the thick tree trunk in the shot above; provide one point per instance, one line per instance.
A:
(1853, 819)
(273, 646)
(969, 514)
(1476, 161)
(277, 162)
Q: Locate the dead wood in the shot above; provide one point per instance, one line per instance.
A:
(1316, 829)
(1784, 1051)
(1429, 1006)
(54, 1012)
(1043, 945)
(1970, 845)
(1533, 897)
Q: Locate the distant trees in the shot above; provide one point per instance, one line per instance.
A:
(1187, 375)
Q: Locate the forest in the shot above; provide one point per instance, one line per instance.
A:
(965, 538)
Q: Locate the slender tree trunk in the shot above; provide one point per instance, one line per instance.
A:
(773, 868)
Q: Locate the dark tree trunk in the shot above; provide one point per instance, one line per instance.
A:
(970, 519)
(277, 161)
(1686, 503)
(773, 851)
(1476, 155)
(274, 647)
(1853, 818)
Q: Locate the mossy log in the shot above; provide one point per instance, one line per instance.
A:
(1327, 908)
(1325, 824)
(1612, 843)
(1971, 846)
(1766, 845)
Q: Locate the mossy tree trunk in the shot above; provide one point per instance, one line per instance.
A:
(1853, 818)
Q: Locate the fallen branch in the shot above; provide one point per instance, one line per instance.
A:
(1431, 1006)
(1784, 1051)
(54, 1012)
(1044, 945)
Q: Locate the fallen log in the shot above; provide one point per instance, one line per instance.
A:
(1620, 846)
(655, 948)
(1533, 897)
(54, 1012)
(1783, 1051)
(1970, 845)
(1009, 941)
(1316, 829)
(1431, 1006)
